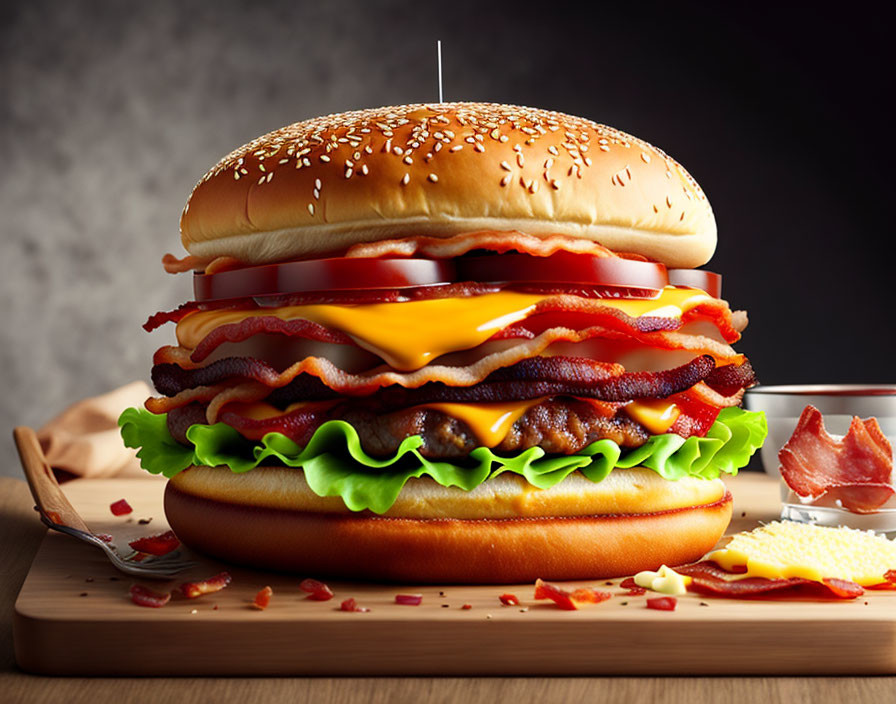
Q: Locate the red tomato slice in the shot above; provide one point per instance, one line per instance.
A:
(614, 277)
(563, 268)
(708, 281)
(321, 275)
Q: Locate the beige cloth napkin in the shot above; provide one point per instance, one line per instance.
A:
(84, 441)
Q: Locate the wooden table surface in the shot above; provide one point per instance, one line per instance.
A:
(21, 533)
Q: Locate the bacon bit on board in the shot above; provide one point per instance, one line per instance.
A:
(262, 599)
(409, 599)
(158, 545)
(120, 508)
(855, 470)
(568, 600)
(509, 600)
(317, 591)
(191, 590)
(662, 603)
(352, 605)
(634, 589)
(465, 607)
(143, 596)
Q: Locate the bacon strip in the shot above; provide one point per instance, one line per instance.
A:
(527, 379)
(709, 578)
(857, 470)
(491, 240)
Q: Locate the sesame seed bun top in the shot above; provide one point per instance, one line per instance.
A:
(317, 187)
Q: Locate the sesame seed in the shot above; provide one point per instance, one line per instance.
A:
(405, 179)
(324, 158)
(311, 208)
(316, 194)
(504, 138)
(261, 166)
(520, 160)
(317, 184)
(555, 184)
(505, 180)
(433, 178)
(496, 134)
(408, 159)
(456, 148)
(348, 173)
(397, 150)
(479, 148)
(604, 148)
(307, 162)
(655, 209)
(364, 169)
(270, 176)
(533, 186)
(553, 150)
(236, 175)
(588, 160)
(348, 164)
(261, 180)
(628, 173)
(668, 174)
(682, 216)
(244, 172)
(645, 157)
(506, 166)
(668, 202)
(548, 163)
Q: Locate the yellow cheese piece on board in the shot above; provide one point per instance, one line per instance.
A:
(784, 549)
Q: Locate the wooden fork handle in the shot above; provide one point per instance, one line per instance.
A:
(44, 487)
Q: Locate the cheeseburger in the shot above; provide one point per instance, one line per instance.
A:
(456, 342)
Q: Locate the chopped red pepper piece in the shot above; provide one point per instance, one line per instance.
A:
(55, 518)
(561, 597)
(663, 603)
(509, 600)
(466, 606)
(352, 605)
(120, 508)
(634, 589)
(317, 591)
(409, 599)
(143, 596)
(566, 599)
(191, 590)
(158, 545)
(262, 599)
(590, 596)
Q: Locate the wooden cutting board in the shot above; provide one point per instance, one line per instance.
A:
(73, 617)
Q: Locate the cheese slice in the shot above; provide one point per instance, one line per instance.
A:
(784, 549)
(411, 334)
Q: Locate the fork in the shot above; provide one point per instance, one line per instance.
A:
(57, 513)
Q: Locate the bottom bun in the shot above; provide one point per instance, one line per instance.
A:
(445, 550)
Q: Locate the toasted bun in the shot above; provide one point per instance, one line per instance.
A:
(577, 530)
(317, 187)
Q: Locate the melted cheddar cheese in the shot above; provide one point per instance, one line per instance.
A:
(411, 334)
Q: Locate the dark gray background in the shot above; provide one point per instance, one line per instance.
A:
(112, 111)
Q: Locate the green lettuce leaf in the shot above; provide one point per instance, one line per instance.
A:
(335, 464)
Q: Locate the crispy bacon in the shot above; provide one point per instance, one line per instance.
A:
(856, 471)
(709, 578)
(491, 240)
(530, 378)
